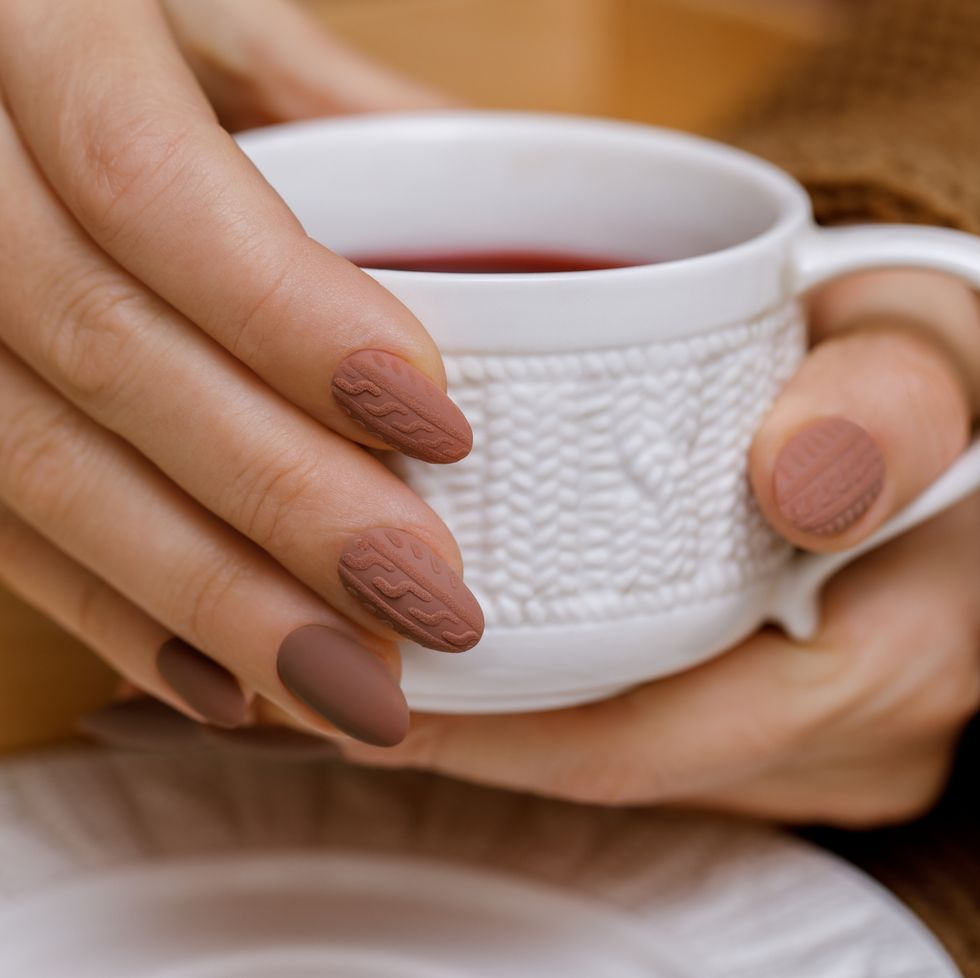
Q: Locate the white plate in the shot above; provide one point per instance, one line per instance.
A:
(321, 914)
(206, 866)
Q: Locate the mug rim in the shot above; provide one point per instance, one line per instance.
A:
(514, 313)
(787, 193)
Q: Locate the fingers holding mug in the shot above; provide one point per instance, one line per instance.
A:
(880, 408)
(239, 612)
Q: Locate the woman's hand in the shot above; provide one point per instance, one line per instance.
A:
(858, 726)
(186, 378)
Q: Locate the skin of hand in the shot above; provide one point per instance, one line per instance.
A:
(179, 486)
(857, 727)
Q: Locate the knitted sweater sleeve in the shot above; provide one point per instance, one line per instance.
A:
(883, 123)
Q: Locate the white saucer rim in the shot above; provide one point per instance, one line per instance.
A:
(35, 784)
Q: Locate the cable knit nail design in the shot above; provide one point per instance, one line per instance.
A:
(828, 476)
(401, 405)
(399, 579)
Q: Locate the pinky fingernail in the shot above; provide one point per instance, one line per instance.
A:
(206, 687)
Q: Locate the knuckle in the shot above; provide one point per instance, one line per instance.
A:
(269, 306)
(884, 804)
(901, 788)
(131, 158)
(88, 352)
(948, 701)
(41, 456)
(957, 677)
(206, 591)
(266, 499)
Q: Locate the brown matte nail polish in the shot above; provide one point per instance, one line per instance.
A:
(142, 724)
(400, 580)
(345, 683)
(204, 685)
(403, 407)
(828, 476)
(272, 743)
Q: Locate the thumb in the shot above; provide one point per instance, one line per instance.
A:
(878, 410)
(266, 61)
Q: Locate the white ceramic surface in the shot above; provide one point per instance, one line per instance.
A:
(604, 515)
(349, 915)
(202, 866)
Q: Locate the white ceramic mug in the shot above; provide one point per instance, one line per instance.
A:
(604, 516)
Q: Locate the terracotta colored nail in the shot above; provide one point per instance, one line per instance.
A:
(402, 406)
(399, 579)
(344, 682)
(274, 743)
(206, 687)
(144, 724)
(828, 476)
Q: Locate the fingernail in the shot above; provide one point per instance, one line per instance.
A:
(399, 579)
(344, 682)
(143, 724)
(828, 476)
(401, 406)
(274, 743)
(206, 687)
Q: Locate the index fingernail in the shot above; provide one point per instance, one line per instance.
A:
(398, 403)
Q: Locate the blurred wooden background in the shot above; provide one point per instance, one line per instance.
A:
(683, 63)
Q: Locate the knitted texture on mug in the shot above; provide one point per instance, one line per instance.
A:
(613, 483)
(883, 124)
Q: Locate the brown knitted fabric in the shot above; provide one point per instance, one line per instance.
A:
(884, 123)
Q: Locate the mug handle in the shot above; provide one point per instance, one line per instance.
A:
(825, 254)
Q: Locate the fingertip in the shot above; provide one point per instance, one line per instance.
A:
(868, 422)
